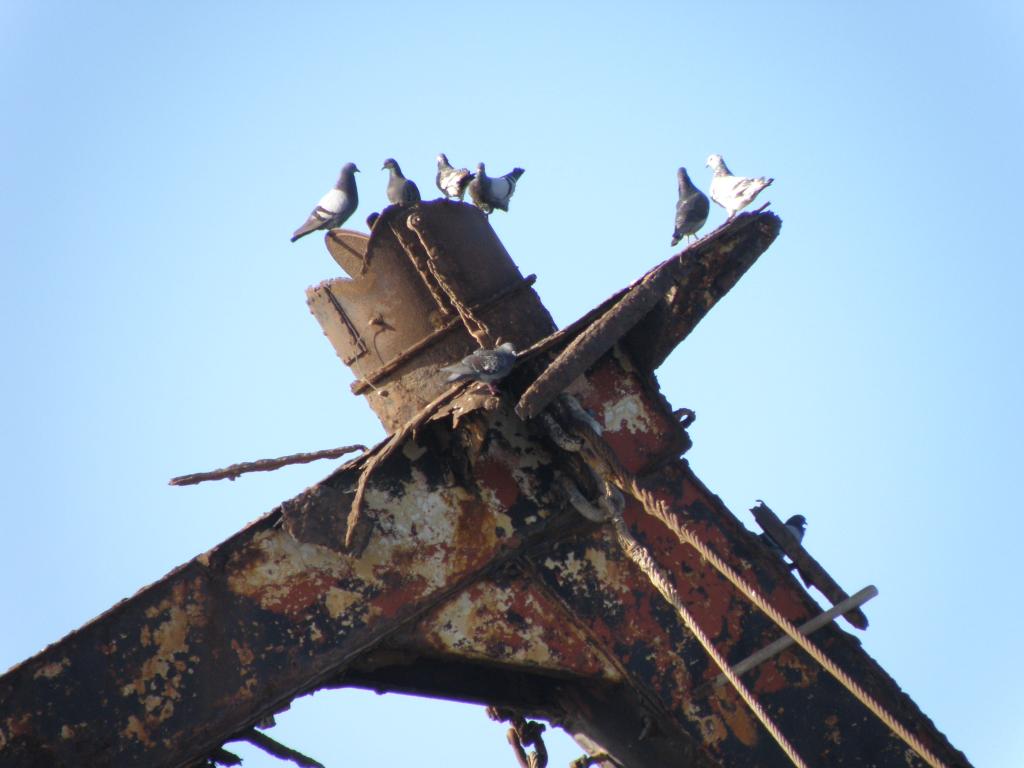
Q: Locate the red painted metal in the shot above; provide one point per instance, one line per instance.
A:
(478, 580)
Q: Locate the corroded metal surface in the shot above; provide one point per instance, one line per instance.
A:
(409, 279)
(710, 267)
(478, 580)
(666, 304)
(242, 629)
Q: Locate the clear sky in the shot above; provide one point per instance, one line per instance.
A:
(867, 372)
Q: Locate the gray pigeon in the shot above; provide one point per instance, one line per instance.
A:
(796, 525)
(486, 365)
(401, 191)
(372, 219)
(691, 209)
(488, 193)
(334, 207)
(451, 181)
(734, 193)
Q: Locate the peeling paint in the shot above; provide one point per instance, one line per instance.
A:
(491, 574)
(137, 731)
(627, 413)
(52, 669)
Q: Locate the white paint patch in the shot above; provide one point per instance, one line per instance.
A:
(628, 413)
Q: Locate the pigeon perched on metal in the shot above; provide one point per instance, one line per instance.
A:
(488, 193)
(401, 191)
(372, 219)
(691, 209)
(334, 207)
(734, 193)
(486, 365)
(451, 181)
(796, 525)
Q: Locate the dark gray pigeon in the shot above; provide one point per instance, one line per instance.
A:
(486, 365)
(372, 219)
(401, 191)
(334, 207)
(451, 181)
(691, 209)
(734, 193)
(488, 193)
(796, 525)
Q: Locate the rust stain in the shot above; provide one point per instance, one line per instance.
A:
(712, 727)
(245, 654)
(52, 669)
(510, 624)
(15, 727)
(634, 422)
(738, 719)
(499, 482)
(283, 575)
(136, 730)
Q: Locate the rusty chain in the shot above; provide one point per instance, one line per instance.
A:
(523, 733)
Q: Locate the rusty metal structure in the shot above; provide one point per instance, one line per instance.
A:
(460, 559)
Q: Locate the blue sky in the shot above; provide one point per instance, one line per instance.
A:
(866, 373)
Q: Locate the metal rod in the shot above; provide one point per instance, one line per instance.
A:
(819, 621)
(264, 465)
(279, 750)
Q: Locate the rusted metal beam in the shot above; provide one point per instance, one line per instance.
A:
(718, 261)
(395, 303)
(672, 283)
(810, 569)
(595, 341)
(475, 561)
(165, 677)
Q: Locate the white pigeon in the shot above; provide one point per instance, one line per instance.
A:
(451, 181)
(734, 193)
(486, 365)
(334, 207)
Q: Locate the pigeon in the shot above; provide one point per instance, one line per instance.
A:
(401, 191)
(372, 219)
(734, 193)
(335, 207)
(488, 193)
(486, 365)
(796, 525)
(691, 210)
(451, 181)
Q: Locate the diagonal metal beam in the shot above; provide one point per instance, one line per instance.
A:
(475, 562)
